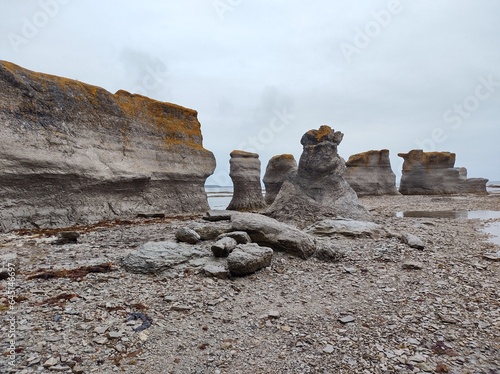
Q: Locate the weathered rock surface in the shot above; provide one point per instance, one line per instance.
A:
(328, 252)
(245, 174)
(277, 171)
(413, 241)
(218, 215)
(156, 257)
(248, 258)
(223, 247)
(210, 231)
(317, 189)
(433, 173)
(241, 237)
(277, 235)
(346, 227)
(73, 153)
(370, 173)
(187, 235)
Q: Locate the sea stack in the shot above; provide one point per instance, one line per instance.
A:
(277, 171)
(74, 153)
(433, 173)
(370, 173)
(317, 190)
(245, 173)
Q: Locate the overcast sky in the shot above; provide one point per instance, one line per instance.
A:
(392, 74)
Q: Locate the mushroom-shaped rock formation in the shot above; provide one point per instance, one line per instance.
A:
(245, 173)
(73, 153)
(277, 170)
(433, 173)
(370, 173)
(317, 189)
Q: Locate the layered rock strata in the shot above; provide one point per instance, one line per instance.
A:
(73, 153)
(277, 171)
(433, 173)
(317, 189)
(370, 173)
(245, 173)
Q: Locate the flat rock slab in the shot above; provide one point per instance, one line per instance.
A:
(218, 215)
(346, 227)
(277, 235)
(412, 241)
(156, 257)
(248, 258)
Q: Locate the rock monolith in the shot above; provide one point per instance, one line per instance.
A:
(277, 171)
(433, 173)
(370, 173)
(317, 189)
(73, 153)
(245, 173)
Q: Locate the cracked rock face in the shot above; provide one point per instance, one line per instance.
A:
(73, 153)
(433, 173)
(317, 189)
(277, 171)
(370, 173)
(245, 173)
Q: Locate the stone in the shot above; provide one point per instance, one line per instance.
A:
(492, 256)
(370, 173)
(412, 265)
(241, 237)
(346, 227)
(317, 189)
(156, 257)
(10, 265)
(210, 231)
(347, 319)
(100, 340)
(218, 215)
(273, 314)
(223, 247)
(277, 171)
(67, 237)
(73, 153)
(328, 348)
(277, 235)
(433, 173)
(328, 252)
(51, 362)
(248, 258)
(187, 235)
(412, 241)
(216, 271)
(245, 174)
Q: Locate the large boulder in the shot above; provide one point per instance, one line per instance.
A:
(248, 258)
(433, 173)
(277, 171)
(277, 235)
(73, 153)
(317, 189)
(370, 173)
(245, 173)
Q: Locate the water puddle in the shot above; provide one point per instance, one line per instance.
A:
(492, 228)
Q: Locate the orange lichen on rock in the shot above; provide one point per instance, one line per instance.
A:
(369, 158)
(243, 154)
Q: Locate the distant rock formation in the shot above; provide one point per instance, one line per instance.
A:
(277, 170)
(73, 153)
(370, 173)
(245, 173)
(433, 173)
(317, 189)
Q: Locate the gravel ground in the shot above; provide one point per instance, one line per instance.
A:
(385, 308)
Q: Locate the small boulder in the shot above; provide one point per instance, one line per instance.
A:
(216, 271)
(328, 252)
(223, 247)
(412, 241)
(67, 237)
(218, 215)
(187, 235)
(248, 258)
(210, 231)
(240, 236)
(277, 235)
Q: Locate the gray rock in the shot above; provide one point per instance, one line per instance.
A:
(346, 227)
(223, 247)
(412, 265)
(67, 237)
(370, 173)
(347, 319)
(210, 231)
(248, 258)
(187, 235)
(245, 173)
(317, 189)
(328, 252)
(218, 215)
(9, 265)
(216, 271)
(240, 236)
(277, 235)
(156, 257)
(433, 173)
(277, 171)
(73, 153)
(412, 241)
